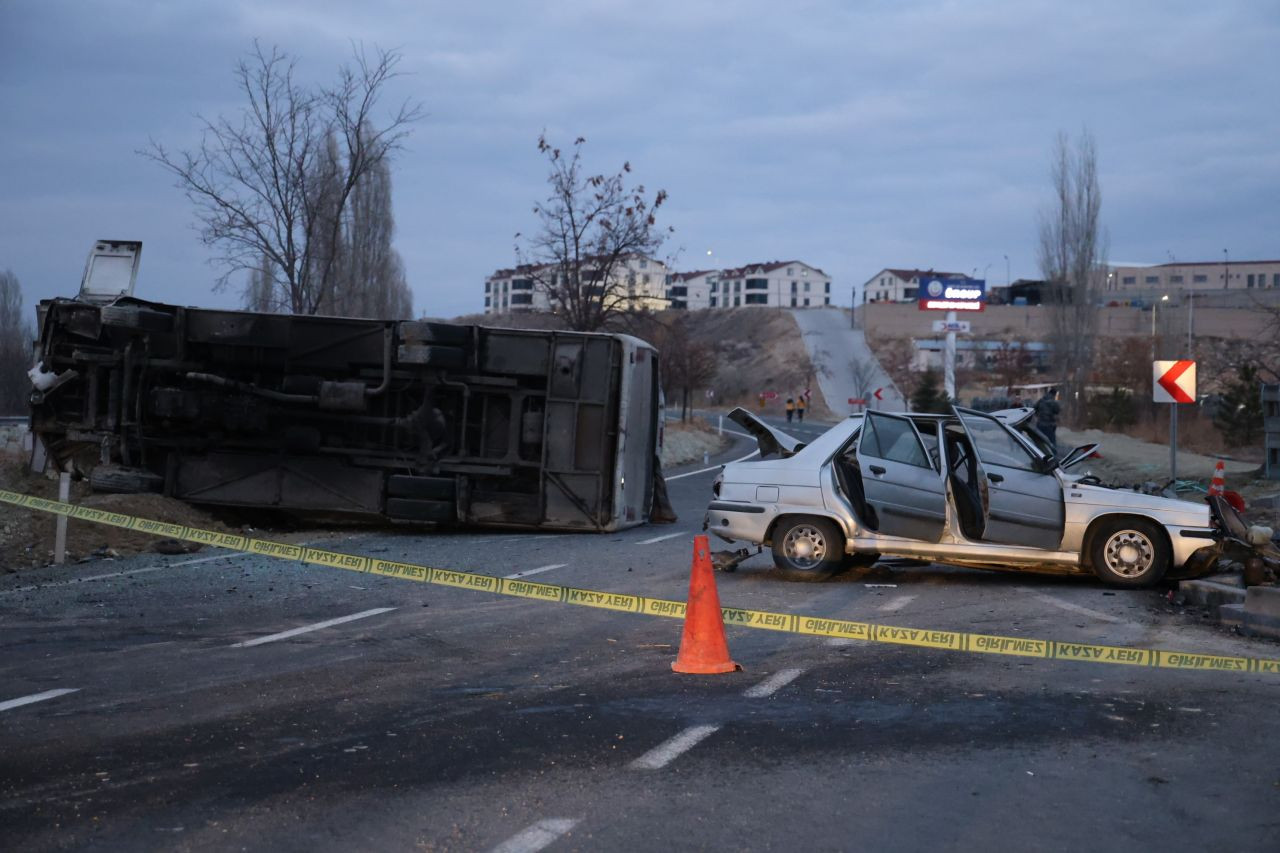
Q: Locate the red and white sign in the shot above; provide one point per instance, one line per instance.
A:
(1174, 381)
(877, 394)
(857, 401)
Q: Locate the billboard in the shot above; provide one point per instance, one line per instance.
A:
(952, 294)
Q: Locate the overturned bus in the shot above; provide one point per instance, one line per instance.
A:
(410, 421)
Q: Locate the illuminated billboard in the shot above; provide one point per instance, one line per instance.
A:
(953, 294)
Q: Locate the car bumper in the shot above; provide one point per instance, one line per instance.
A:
(738, 522)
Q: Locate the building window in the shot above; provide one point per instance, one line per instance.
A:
(789, 272)
(1129, 279)
(793, 287)
(1199, 279)
(486, 302)
(522, 284)
(793, 302)
(1275, 280)
(713, 302)
(757, 284)
(737, 300)
(826, 288)
(757, 299)
(806, 290)
(1152, 279)
(644, 264)
(486, 287)
(645, 277)
(1250, 278)
(522, 299)
(910, 292)
(1175, 279)
(826, 300)
(737, 288)
(806, 302)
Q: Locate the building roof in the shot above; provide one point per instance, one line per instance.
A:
(1232, 262)
(908, 274)
(685, 276)
(766, 266)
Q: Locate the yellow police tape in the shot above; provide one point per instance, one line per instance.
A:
(786, 622)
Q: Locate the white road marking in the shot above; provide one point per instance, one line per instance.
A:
(841, 641)
(36, 697)
(664, 753)
(755, 452)
(773, 683)
(896, 604)
(537, 836)
(536, 571)
(1074, 608)
(306, 629)
(662, 538)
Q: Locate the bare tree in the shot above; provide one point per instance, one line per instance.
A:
(1011, 361)
(590, 228)
(1072, 254)
(863, 374)
(16, 335)
(275, 180)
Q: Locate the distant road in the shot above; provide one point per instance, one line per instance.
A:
(831, 343)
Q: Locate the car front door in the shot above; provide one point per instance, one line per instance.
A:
(899, 480)
(1021, 502)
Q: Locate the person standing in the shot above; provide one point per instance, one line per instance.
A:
(801, 403)
(1047, 411)
(791, 409)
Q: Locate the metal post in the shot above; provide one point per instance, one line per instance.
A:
(60, 532)
(1173, 442)
(949, 358)
(720, 425)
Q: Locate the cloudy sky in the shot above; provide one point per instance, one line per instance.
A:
(852, 135)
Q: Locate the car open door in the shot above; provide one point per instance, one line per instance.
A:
(899, 480)
(1021, 500)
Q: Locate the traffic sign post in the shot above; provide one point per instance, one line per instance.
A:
(1173, 382)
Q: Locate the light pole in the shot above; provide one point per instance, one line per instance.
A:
(1006, 270)
(1154, 305)
(1226, 270)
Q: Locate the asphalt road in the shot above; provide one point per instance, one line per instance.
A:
(422, 717)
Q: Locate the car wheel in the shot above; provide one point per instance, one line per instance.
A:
(806, 548)
(1129, 552)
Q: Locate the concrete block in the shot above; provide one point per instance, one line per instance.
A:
(1211, 594)
(1231, 615)
(1262, 612)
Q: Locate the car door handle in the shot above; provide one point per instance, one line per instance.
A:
(876, 469)
(995, 478)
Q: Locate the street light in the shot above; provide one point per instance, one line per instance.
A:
(1006, 270)
(1154, 305)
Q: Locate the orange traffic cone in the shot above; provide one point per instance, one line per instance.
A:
(703, 648)
(1219, 483)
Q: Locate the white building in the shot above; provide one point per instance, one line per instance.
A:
(691, 290)
(780, 284)
(525, 288)
(899, 285)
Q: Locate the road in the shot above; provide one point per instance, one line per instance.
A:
(218, 701)
(847, 367)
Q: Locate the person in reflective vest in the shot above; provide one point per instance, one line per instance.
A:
(791, 409)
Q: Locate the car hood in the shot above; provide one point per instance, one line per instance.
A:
(772, 442)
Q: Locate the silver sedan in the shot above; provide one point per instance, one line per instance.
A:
(966, 488)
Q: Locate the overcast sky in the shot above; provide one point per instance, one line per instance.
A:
(851, 135)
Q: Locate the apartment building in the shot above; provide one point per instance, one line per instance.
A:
(691, 290)
(641, 281)
(899, 285)
(780, 284)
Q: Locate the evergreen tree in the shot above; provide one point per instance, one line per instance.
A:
(1239, 415)
(928, 397)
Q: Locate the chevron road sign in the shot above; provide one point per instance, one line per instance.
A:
(1174, 382)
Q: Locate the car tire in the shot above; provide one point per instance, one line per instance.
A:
(1129, 552)
(807, 548)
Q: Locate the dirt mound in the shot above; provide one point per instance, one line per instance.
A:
(27, 536)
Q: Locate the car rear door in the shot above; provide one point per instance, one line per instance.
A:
(1022, 504)
(898, 479)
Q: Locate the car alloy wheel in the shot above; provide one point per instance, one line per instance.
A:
(1129, 553)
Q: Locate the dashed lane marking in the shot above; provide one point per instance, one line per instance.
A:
(794, 623)
(36, 697)
(1074, 608)
(536, 837)
(896, 604)
(306, 629)
(666, 752)
(536, 571)
(663, 538)
(773, 683)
